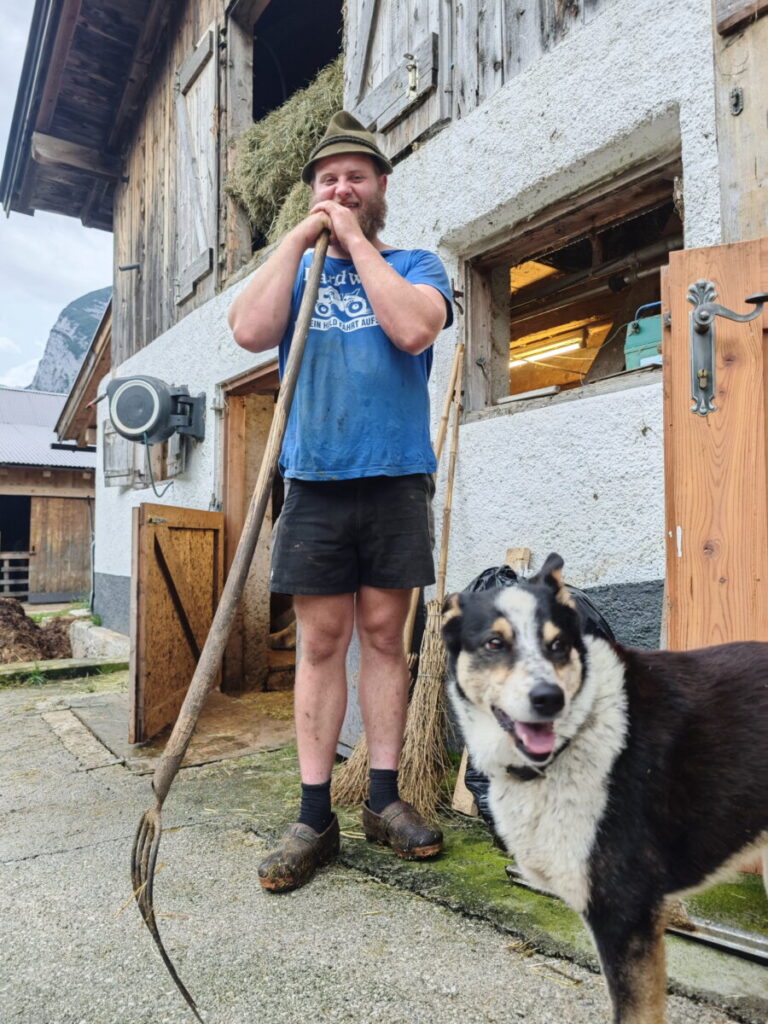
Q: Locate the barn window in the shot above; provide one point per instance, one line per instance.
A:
(575, 297)
(292, 41)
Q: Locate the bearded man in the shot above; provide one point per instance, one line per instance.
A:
(353, 537)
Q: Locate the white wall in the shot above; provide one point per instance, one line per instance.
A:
(638, 79)
(201, 353)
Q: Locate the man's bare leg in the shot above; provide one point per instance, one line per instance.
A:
(383, 694)
(384, 680)
(320, 700)
(320, 692)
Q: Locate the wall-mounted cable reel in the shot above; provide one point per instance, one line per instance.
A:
(148, 411)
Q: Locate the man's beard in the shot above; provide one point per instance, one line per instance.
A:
(373, 216)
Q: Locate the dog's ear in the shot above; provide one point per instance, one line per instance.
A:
(451, 624)
(551, 575)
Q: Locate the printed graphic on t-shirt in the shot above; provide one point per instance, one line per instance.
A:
(342, 303)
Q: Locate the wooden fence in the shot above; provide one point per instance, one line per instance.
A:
(14, 574)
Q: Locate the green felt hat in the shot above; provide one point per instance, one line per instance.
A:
(345, 134)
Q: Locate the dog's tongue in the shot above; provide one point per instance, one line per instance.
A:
(538, 739)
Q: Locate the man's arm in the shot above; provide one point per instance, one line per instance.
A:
(411, 315)
(259, 315)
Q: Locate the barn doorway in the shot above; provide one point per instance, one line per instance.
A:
(15, 511)
(261, 652)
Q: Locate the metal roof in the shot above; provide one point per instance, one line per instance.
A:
(27, 419)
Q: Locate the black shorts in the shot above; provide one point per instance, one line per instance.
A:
(334, 536)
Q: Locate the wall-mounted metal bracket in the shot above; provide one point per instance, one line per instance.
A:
(701, 294)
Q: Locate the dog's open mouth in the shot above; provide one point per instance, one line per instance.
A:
(534, 739)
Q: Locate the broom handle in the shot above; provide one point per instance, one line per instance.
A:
(210, 657)
(413, 608)
(448, 502)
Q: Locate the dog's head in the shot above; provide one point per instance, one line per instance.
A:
(517, 661)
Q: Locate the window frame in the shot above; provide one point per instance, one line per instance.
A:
(485, 271)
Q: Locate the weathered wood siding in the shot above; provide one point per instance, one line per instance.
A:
(157, 223)
(479, 46)
(58, 483)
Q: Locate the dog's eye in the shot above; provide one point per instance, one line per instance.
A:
(558, 646)
(494, 643)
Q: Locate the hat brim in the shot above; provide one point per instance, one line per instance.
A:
(340, 148)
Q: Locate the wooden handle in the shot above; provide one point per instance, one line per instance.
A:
(448, 501)
(458, 357)
(210, 657)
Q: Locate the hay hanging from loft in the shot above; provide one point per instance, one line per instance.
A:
(271, 153)
(295, 208)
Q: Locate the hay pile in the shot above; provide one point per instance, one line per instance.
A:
(266, 177)
(21, 639)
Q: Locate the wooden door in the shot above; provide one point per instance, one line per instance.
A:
(60, 532)
(715, 464)
(176, 581)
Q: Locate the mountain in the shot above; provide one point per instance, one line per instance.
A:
(68, 342)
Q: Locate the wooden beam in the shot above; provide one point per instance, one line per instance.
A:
(731, 15)
(51, 151)
(195, 62)
(63, 43)
(90, 212)
(246, 12)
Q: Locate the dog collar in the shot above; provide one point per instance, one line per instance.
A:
(527, 773)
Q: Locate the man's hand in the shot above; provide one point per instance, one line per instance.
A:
(344, 225)
(309, 229)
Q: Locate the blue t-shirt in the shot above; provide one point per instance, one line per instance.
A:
(361, 406)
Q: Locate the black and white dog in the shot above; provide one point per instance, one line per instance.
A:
(618, 777)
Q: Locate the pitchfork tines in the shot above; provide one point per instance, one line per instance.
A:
(143, 859)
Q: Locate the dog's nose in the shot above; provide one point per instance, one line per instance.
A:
(546, 699)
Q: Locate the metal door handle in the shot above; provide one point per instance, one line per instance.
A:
(701, 294)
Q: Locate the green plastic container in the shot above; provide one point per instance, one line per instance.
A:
(643, 344)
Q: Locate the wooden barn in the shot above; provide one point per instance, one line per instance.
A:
(46, 503)
(577, 166)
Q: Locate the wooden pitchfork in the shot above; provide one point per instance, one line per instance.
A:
(147, 842)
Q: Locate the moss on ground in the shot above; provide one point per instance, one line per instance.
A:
(741, 903)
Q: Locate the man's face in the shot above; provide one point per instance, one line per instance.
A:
(353, 180)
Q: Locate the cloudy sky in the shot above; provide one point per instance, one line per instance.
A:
(46, 261)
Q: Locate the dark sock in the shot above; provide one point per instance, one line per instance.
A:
(315, 808)
(382, 790)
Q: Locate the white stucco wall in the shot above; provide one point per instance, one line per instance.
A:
(198, 351)
(582, 476)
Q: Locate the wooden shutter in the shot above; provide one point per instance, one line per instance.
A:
(125, 462)
(197, 184)
(176, 580)
(395, 68)
(716, 466)
(118, 458)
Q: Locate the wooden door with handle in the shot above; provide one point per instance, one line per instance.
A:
(715, 444)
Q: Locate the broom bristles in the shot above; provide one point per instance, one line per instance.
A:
(424, 761)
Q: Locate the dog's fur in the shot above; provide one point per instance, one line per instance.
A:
(618, 777)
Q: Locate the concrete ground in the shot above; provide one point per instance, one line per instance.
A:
(371, 939)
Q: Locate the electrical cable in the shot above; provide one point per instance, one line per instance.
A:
(158, 494)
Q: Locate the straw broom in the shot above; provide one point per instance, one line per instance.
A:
(424, 761)
(350, 780)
